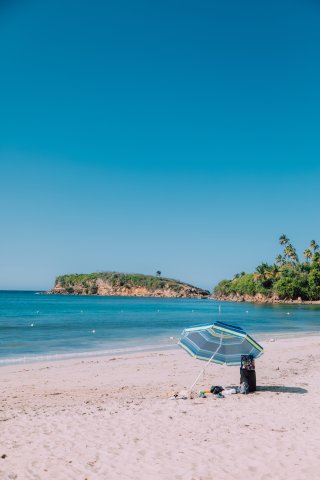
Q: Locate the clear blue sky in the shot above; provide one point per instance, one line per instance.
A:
(172, 135)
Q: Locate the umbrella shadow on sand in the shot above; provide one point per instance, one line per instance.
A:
(281, 389)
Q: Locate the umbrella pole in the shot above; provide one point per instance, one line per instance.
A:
(204, 368)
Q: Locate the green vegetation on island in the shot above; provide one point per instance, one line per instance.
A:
(286, 279)
(116, 283)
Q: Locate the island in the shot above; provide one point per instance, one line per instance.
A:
(125, 285)
(287, 280)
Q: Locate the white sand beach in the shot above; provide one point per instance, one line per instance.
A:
(112, 418)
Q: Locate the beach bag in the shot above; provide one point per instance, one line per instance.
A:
(249, 377)
(248, 372)
(215, 389)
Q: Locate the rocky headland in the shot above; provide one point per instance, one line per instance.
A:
(125, 285)
(260, 298)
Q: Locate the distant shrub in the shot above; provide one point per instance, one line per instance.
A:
(314, 283)
(245, 285)
(223, 287)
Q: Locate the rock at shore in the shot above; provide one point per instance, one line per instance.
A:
(260, 298)
(125, 285)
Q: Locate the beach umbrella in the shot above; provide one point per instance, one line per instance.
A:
(218, 343)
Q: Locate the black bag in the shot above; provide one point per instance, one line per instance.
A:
(215, 389)
(249, 377)
(247, 372)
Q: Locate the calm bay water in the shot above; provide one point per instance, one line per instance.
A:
(41, 327)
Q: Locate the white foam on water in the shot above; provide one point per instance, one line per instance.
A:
(94, 353)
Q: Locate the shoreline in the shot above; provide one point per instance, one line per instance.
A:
(95, 354)
(132, 351)
(261, 299)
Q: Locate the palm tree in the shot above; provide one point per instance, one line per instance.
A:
(287, 251)
(266, 274)
(291, 253)
(314, 246)
(316, 258)
(259, 273)
(279, 260)
(263, 272)
(307, 254)
(275, 271)
(284, 240)
(158, 273)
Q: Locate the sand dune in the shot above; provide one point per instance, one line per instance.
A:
(112, 418)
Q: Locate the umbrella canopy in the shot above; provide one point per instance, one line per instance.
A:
(219, 343)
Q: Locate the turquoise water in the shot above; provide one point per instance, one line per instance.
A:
(40, 327)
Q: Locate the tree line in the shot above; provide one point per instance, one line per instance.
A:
(286, 278)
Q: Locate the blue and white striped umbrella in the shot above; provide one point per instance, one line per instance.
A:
(219, 343)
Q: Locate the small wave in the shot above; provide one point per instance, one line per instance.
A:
(73, 355)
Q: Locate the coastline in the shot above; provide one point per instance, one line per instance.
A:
(113, 417)
(266, 339)
(54, 358)
(259, 298)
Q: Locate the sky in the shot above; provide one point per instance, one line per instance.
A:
(140, 136)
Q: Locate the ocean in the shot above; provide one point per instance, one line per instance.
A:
(37, 327)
